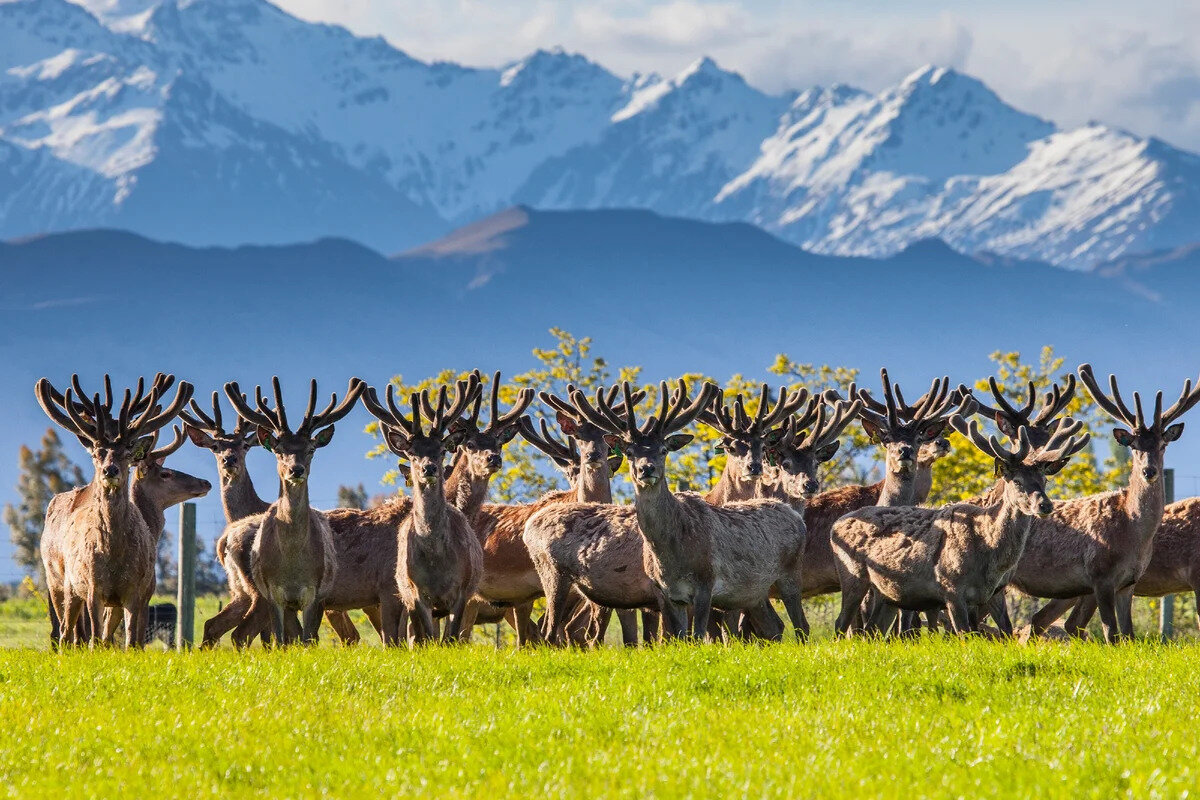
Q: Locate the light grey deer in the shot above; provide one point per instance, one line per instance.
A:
(97, 548)
(954, 557)
(1101, 544)
(438, 559)
(744, 441)
(293, 562)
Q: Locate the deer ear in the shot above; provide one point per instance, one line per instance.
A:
(199, 437)
(1005, 426)
(324, 437)
(874, 432)
(614, 462)
(1054, 467)
(931, 431)
(1174, 432)
(773, 436)
(827, 452)
(678, 441)
(142, 446)
(507, 435)
(406, 471)
(454, 440)
(1001, 468)
(613, 442)
(266, 439)
(396, 442)
(1124, 437)
(566, 423)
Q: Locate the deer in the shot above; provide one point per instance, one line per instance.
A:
(954, 557)
(744, 441)
(99, 551)
(1101, 544)
(1174, 568)
(439, 560)
(240, 500)
(912, 437)
(293, 562)
(697, 555)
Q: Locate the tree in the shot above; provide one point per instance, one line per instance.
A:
(44, 473)
(353, 497)
(967, 473)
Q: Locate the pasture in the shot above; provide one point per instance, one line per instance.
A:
(940, 717)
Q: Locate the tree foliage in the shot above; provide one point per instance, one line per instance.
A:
(353, 497)
(967, 473)
(44, 473)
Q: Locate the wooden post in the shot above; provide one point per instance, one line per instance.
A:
(1166, 614)
(186, 597)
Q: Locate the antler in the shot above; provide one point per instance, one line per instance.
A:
(738, 423)
(827, 429)
(990, 445)
(1053, 402)
(276, 419)
(212, 425)
(92, 419)
(442, 414)
(1116, 408)
(163, 452)
(562, 452)
(676, 410)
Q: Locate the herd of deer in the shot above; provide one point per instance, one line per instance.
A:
(692, 565)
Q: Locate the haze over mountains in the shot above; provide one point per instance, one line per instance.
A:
(231, 122)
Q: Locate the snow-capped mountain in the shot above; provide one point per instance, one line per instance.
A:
(229, 121)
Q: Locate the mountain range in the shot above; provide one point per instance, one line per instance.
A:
(226, 122)
(670, 294)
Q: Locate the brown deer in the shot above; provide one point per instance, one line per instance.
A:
(1174, 568)
(913, 441)
(98, 549)
(292, 560)
(696, 554)
(1101, 544)
(239, 499)
(744, 441)
(438, 559)
(954, 557)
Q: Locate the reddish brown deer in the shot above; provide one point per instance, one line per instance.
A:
(954, 557)
(1101, 544)
(438, 559)
(98, 550)
(292, 560)
(744, 441)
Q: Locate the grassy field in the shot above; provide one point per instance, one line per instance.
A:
(938, 717)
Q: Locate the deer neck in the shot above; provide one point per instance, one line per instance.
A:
(292, 510)
(594, 485)
(239, 499)
(732, 488)
(659, 518)
(112, 507)
(1144, 500)
(467, 491)
(430, 512)
(898, 489)
(151, 510)
(1006, 527)
(922, 483)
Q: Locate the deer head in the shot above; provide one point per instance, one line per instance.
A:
(1147, 441)
(568, 456)
(406, 437)
(647, 445)
(293, 449)
(482, 445)
(230, 447)
(744, 438)
(114, 443)
(592, 445)
(167, 487)
(1025, 468)
(901, 428)
(797, 449)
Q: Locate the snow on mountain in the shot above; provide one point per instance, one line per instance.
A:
(669, 148)
(225, 121)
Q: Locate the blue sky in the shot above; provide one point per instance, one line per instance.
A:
(1130, 64)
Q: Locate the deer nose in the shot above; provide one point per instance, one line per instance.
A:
(754, 469)
(111, 471)
(495, 460)
(296, 471)
(229, 462)
(1149, 473)
(429, 470)
(1045, 506)
(206, 485)
(906, 453)
(594, 458)
(811, 486)
(647, 471)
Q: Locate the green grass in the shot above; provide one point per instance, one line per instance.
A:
(937, 717)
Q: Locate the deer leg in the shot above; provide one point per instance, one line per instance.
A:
(652, 623)
(675, 618)
(701, 612)
(854, 591)
(790, 594)
(960, 616)
(343, 626)
(421, 620)
(72, 607)
(391, 615)
(280, 625)
(313, 611)
(997, 607)
(1106, 602)
(883, 617)
(456, 622)
(223, 621)
(257, 621)
(601, 619)
(764, 623)
(1081, 615)
(558, 604)
(135, 627)
(1048, 614)
(1125, 612)
(627, 617)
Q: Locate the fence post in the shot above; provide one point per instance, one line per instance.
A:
(1166, 614)
(186, 575)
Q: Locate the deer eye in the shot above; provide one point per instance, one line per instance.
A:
(166, 473)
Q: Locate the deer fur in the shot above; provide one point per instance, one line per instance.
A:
(955, 557)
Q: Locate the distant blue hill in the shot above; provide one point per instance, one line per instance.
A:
(671, 295)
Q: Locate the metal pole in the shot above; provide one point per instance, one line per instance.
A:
(1166, 615)
(186, 597)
